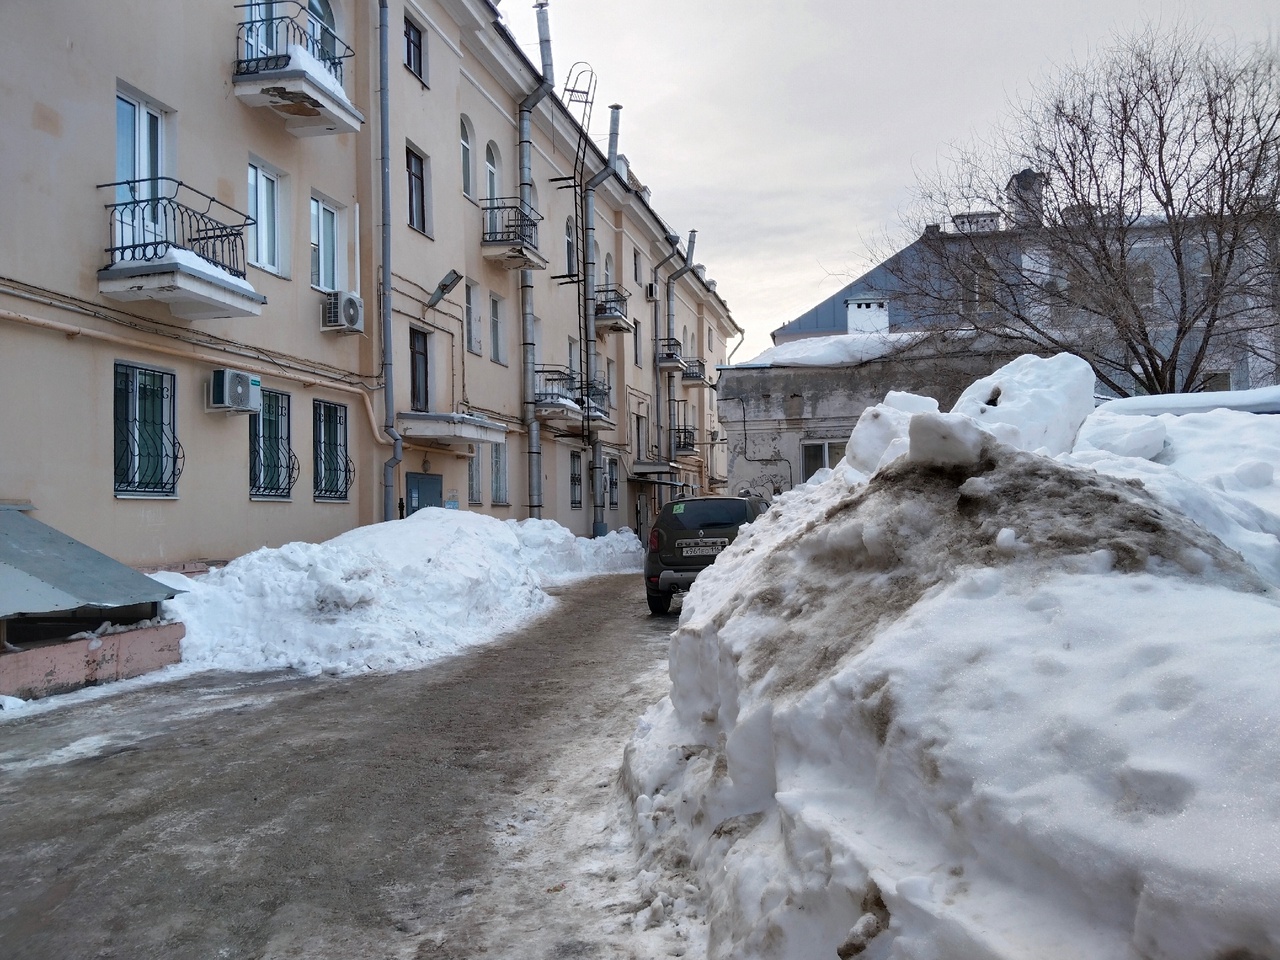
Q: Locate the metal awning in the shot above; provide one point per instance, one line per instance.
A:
(45, 571)
(450, 428)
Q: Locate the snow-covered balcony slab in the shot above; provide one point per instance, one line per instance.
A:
(554, 393)
(668, 356)
(611, 311)
(293, 65)
(695, 373)
(173, 244)
(450, 428)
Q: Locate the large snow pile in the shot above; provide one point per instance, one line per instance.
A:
(956, 698)
(387, 596)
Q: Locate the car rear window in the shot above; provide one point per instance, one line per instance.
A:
(692, 514)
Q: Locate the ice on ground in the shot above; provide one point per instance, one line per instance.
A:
(957, 698)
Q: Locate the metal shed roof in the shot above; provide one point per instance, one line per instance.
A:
(45, 571)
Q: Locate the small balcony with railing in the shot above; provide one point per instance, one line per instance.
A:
(695, 373)
(594, 399)
(611, 311)
(290, 61)
(509, 234)
(685, 441)
(668, 355)
(174, 244)
(555, 392)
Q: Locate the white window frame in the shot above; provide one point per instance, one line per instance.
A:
(496, 330)
(146, 151)
(325, 252)
(466, 137)
(266, 244)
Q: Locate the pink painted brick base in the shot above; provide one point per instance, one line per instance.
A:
(59, 667)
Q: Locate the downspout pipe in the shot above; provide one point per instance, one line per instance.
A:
(384, 298)
(671, 335)
(674, 241)
(598, 527)
(528, 347)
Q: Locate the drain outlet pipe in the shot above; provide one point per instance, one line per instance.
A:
(384, 296)
(671, 335)
(527, 346)
(598, 527)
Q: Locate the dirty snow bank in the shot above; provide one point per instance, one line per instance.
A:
(987, 704)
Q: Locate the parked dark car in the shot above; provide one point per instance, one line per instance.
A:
(687, 537)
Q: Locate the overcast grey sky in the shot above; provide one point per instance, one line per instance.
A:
(787, 132)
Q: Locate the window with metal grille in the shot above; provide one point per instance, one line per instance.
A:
(273, 466)
(148, 457)
(419, 398)
(334, 470)
(500, 473)
(575, 479)
(613, 484)
(475, 480)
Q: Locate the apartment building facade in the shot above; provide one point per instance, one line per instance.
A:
(216, 334)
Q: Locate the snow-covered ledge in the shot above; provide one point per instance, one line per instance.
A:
(194, 288)
(303, 91)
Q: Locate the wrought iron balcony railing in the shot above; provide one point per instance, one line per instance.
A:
(265, 39)
(695, 369)
(611, 301)
(685, 439)
(508, 220)
(152, 217)
(669, 352)
(552, 384)
(596, 391)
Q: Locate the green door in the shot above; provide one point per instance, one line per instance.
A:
(422, 490)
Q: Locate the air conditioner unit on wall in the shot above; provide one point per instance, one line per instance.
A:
(235, 391)
(343, 311)
(651, 292)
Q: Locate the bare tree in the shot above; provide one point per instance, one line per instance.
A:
(1141, 232)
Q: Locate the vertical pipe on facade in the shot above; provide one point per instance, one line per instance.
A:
(528, 358)
(598, 526)
(384, 297)
(674, 241)
(671, 335)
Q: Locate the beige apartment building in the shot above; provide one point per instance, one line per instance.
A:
(212, 337)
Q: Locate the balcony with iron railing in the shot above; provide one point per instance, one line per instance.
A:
(668, 355)
(291, 62)
(172, 243)
(555, 392)
(685, 440)
(611, 311)
(509, 234)
(695, 372)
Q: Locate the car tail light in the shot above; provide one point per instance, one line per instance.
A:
(653, 540)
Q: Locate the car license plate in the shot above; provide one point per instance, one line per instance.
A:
(705, 550)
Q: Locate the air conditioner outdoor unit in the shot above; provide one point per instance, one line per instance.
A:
(343, 311)
(235, 391)
(651, 292)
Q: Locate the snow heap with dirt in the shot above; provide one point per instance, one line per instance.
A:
(1001, 684)
(388, 596)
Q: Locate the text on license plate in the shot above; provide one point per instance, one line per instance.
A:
(701, 551)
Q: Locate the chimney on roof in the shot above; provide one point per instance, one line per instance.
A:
(1025, 195)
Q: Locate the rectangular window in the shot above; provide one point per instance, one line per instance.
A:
(413, 58)
(815, 456)
(495, 329)
(611, 381)
(416, 168)
(575, 479)
(273, 468)
(475, 480)
(333, 470)
(636, 338)
(324, 245)
(575, 363)
(642, 437)
(148, 457)
(262, 236)
(419, 398)
(613, 484)
(474, 342)
(500, 473)
(636, 270)
(137, 218)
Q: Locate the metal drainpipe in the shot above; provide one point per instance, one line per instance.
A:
(528, 356)
(671, 335)
(598, 527)
(384, 299)
(674, 240)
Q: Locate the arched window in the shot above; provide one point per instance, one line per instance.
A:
(608, 269)
(570, 249)
(468, 165)
(595, 261)
(491, 186)
(684, 341)
(322, 29)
